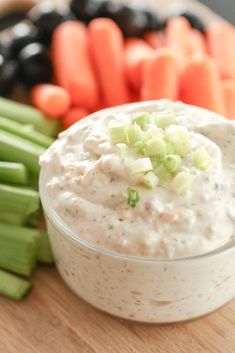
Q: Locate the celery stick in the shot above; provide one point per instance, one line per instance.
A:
(18, 248)
(25, 114)
(44, 249)
(12, 286)
(13, 173)
(25, 131)
(18, 201)
(13, 218)
(16, 149)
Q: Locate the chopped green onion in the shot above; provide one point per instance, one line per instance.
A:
(13, 173)
(169, 148)
(201, 158)
(132, 196)
(155, 147)
(141, 165)
(156, 161)
(181, 182)
(117, 133)
(179, 141)
(134, 134)
(141, 119)
(150, 180)
(122, 149)
(172, 163)
(140, 145)
(12, 286)
(164, 119)
(162, 173)
(154, 132)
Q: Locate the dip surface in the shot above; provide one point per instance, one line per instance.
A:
(86, 177)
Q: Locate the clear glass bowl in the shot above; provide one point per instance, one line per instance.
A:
(137, 288)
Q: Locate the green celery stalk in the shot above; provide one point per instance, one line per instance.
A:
(25, 131)
(16, 149)
(12, 286)
(25, 114)
(17, 204)
(13, 173)
(44, 249)
(18, 248)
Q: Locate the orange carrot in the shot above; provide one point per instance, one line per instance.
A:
(155, 39)
(54, 101)
(221, 46)
(200, 84)
(107, 48)
(196, 43)
(228, 87)
(72, 64)
(161, 76)
(73, 116)
(177, 31)
(136, 52)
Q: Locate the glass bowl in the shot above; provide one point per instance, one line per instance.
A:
(137, 288)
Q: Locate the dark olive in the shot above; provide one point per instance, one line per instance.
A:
(8, 75)
(35, 64)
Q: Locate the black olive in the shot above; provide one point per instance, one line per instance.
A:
(35, 64)
(193, 19)
(22, 34)
(46, 17)
(11, 19)
(86, 10)
(153, 22)
(8, 75)
(133, 21)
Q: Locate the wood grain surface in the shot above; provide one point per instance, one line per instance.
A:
(54, 320)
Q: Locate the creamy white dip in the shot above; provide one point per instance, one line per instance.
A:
(86, 177)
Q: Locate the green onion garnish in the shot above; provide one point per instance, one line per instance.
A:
(132, 196)
(141, 165)
(172, 162)
(117, 133)
(155, 147)
(164, 119)
(179, 141)
(162, 173)
(141, 119)
(150, 180)
(134, 134)
(201, 158)
(181, 182)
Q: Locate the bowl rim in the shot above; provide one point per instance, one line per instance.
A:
(61, 225)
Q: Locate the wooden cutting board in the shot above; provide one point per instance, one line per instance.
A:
(54, 320)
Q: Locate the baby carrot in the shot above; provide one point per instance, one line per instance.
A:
(136, 52)
(107, 48)
(228, 87)
(72, 64)
(52, 100)
(200, 84)
(221, 44)
(196, 43)
(155, 39)
(161, 76)
(73, 116)
(177, 31)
